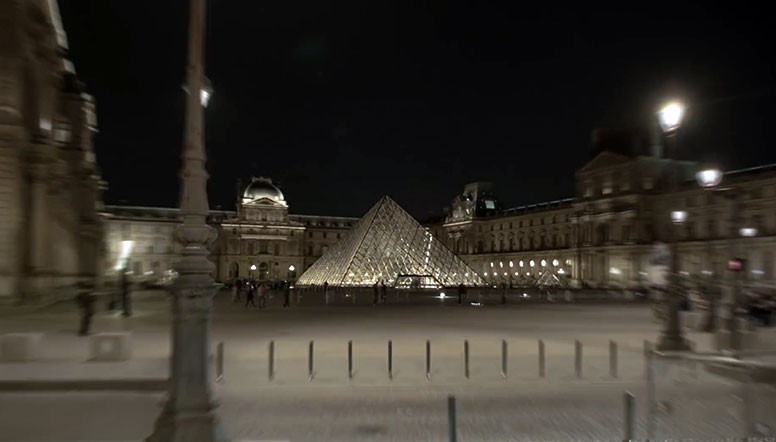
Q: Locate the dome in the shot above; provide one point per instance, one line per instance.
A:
(261, 188)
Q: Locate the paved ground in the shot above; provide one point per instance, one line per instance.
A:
(370, 406)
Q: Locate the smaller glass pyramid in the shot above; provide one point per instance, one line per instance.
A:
(387, 244)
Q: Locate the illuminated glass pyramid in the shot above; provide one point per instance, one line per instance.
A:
(387, 244)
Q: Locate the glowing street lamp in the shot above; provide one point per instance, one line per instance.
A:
(678, 216)
(670, 116)
(709, 178)
(748, 231)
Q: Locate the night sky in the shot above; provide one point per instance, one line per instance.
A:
(343, 102)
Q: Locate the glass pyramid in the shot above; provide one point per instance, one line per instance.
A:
(387, 244)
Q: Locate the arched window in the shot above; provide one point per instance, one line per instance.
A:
(263, 271)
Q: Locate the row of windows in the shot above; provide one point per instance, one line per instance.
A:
(328, 224)
(324, 235)
(526, 223)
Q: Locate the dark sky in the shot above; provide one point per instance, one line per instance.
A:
(343, 102)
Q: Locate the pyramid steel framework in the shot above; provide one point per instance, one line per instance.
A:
(387, 244)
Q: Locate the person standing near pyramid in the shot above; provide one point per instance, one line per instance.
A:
(375, 293)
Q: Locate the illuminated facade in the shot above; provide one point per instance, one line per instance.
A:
(260, 240)
(605, 236)
(388, 245)
(50, 187)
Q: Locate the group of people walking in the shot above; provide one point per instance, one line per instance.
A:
(253, 290)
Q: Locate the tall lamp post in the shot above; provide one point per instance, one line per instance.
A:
(189, 411)
(671, 338)
(710, 179)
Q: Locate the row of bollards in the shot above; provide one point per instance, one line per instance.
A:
(613, 359)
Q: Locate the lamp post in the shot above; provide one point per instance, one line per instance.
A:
(671, 338)
(710, 179)
(189, 410)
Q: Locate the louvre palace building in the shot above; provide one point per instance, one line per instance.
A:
(603, 235)
(50, 187)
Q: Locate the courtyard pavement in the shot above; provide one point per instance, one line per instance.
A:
(370, 406)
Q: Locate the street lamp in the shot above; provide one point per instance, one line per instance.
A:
(670, 118)
(189, 409)
(710, 179)
(678, 217)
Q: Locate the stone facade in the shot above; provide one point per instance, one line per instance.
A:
(605, 236)
(50, 187)
(260, 233)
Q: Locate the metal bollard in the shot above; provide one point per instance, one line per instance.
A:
(451, 418)
(541, 358)
(630, 417)
(651, 401)
(220, 362)
(390, 359)
(271, 361)
(428, 360)
(647, 355)
(578, 359)
(310, 361)
(466, 358)
(612, 359)
(350, 359)
(504, 358)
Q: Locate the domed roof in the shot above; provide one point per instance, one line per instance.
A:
(260, 188)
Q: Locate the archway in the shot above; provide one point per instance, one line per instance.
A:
(263, 271)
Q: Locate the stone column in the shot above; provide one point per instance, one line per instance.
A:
(37, 267)
(189, 412)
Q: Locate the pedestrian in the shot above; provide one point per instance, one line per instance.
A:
(461, 293)
(375, 293)
(262, 295)
(125, 293)
(238, 292)
(503, 293)
(383, 290)
(326, 291)
(85, 301)
(249, 296)
(287, 295)
(235, 291)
